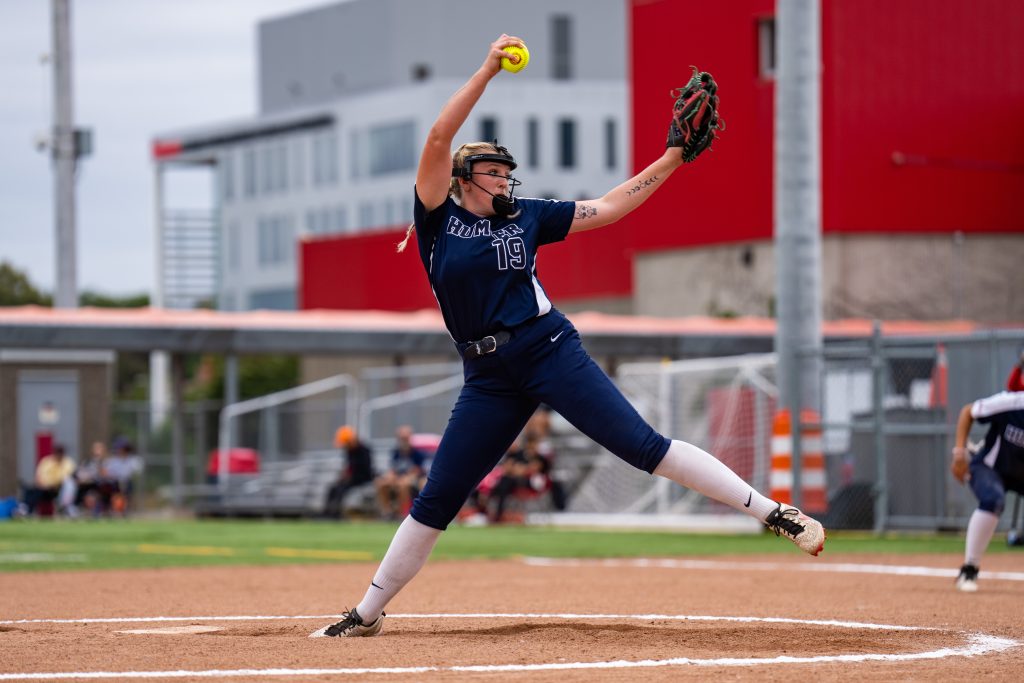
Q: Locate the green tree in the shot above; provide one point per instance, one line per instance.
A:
(98, 300)
(257, 375)
(17, 290)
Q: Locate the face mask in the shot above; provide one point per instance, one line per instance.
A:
(504, 206)
(501, 205)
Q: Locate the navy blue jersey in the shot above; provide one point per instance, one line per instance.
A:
(484, 270)
(1004, 444)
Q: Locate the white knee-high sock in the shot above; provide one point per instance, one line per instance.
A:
(406, 555)
(694, 468)
(980, 529)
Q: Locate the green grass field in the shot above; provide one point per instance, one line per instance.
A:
(33, 545)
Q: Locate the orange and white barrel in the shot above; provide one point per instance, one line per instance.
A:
(812, 462)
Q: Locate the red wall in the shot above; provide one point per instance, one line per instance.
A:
(941, 81)
(726, 195)
(364, 271)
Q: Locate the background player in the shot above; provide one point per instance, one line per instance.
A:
(997, 466)
(479, 245)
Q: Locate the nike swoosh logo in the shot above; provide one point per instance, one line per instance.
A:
(555, 338)
(750, 496)
(375, 585)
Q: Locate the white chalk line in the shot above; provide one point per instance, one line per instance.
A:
(741, 565)
(483, 615)
(42, 557)
(975, 644)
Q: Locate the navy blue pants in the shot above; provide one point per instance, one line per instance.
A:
(990, 487)
(543, 362)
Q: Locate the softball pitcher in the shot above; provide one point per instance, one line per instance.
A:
(478, 244)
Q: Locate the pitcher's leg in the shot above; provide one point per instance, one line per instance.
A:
(408, 552)
(482, 427)
(572, 384)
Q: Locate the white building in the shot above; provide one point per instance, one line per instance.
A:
(347, 94)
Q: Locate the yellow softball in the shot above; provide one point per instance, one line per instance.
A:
(514, 65)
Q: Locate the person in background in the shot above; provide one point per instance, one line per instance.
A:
(122, 466)
(95, 487)
(54, 484)
(356, 471)
(997, 466)
(403, 479)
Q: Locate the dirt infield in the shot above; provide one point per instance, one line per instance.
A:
(504, 638)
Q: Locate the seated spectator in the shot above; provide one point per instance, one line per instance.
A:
(53, 485)
(356, 471)
(122, 466)
(404, 478)
(526, 473)
(95, 487)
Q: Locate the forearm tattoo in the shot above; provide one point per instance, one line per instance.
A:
(642, 184)
(585, 211)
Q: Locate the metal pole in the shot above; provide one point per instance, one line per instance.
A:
(158, 362)
(798, 204)
(231, 390)
(177, 427)
(877, 399)
(64, 155)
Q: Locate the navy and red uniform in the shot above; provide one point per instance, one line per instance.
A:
(483, 271)
(999, 463)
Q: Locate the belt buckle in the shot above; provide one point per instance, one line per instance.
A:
(487, 345)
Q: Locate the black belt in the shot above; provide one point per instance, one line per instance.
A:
(488, 344)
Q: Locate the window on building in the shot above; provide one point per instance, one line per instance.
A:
(273, 299)
(533, 143)
(234, 246)
(766, 48)
(281, 166)
(403, 210)
(227, 176)
(392, 148)
(325, 158)
(263, 241)
(286, 238)
(488, 128)
(610, 144)
(365, 215)
(298, 146)
(566, 143)
(275, 240)
(355, 153)
(266, 169)
(340, 219)
(249, 172)
(561, 47)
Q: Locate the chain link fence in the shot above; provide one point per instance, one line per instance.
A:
(888, 416)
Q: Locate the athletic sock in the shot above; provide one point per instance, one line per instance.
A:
(980, 528)
(694, 468)
(406, 555)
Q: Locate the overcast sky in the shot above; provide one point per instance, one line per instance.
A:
(141, 67)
